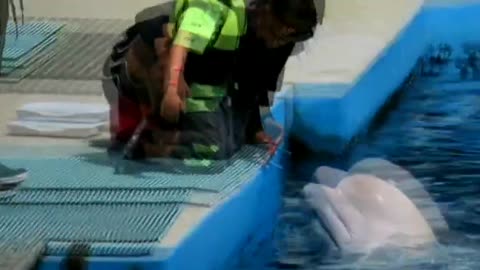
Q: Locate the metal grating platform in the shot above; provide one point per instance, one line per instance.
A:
(97, 171)
(29, 196)
(80, 199)
(75, 57)
(110, 223)
(30, 35)
(12, 64)
(32, 27)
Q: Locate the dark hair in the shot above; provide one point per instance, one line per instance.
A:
(298, 14)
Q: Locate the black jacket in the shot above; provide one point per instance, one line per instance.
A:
(257, 72)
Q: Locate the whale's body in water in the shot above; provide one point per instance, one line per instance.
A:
(364, 208)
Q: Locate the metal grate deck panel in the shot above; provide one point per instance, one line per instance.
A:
(94, 223)
(97, 172)
(33, 27)
(78, 53)
(30, 35)
(8, 66)
(71, 200)
(28, 196)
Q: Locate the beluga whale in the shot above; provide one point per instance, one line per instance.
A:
(365, 208)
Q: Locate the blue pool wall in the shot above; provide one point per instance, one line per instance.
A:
(330, 122)
(453, 20)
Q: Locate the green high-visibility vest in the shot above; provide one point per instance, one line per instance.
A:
(228, 17)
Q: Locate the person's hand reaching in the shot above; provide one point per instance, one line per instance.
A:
(172, 105)
(262, 138)
(273, 141)
(176, 93)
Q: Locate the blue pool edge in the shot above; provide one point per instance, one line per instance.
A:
(330, 123)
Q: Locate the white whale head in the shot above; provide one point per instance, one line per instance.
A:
(362, 212)
(408, 184)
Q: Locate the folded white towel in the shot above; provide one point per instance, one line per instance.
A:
(64, 112)
(55, 129)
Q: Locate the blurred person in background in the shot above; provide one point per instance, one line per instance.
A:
(9, 178)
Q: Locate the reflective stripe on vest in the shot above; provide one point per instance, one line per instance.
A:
(204, 98)
(233, 28)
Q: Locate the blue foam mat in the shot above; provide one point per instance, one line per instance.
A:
(97, 172)
(115, 224)
(9, 65)
(43, 27)
(30, 35)
(80, 199)
(97, 196)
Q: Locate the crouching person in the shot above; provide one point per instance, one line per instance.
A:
(176, 71)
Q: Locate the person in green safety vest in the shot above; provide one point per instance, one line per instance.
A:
(177, 69)
(195, 117)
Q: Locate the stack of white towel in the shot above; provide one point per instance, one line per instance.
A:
(60, 119)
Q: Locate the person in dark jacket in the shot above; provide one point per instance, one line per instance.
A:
(263, 53)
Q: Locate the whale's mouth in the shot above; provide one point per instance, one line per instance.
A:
(329, 233)
(332, 219)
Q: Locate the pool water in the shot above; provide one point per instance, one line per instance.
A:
(432, 128)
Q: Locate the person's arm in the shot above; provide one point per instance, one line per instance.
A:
(176, 64)
(276, 66)
(196, 27)
(269, 83)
